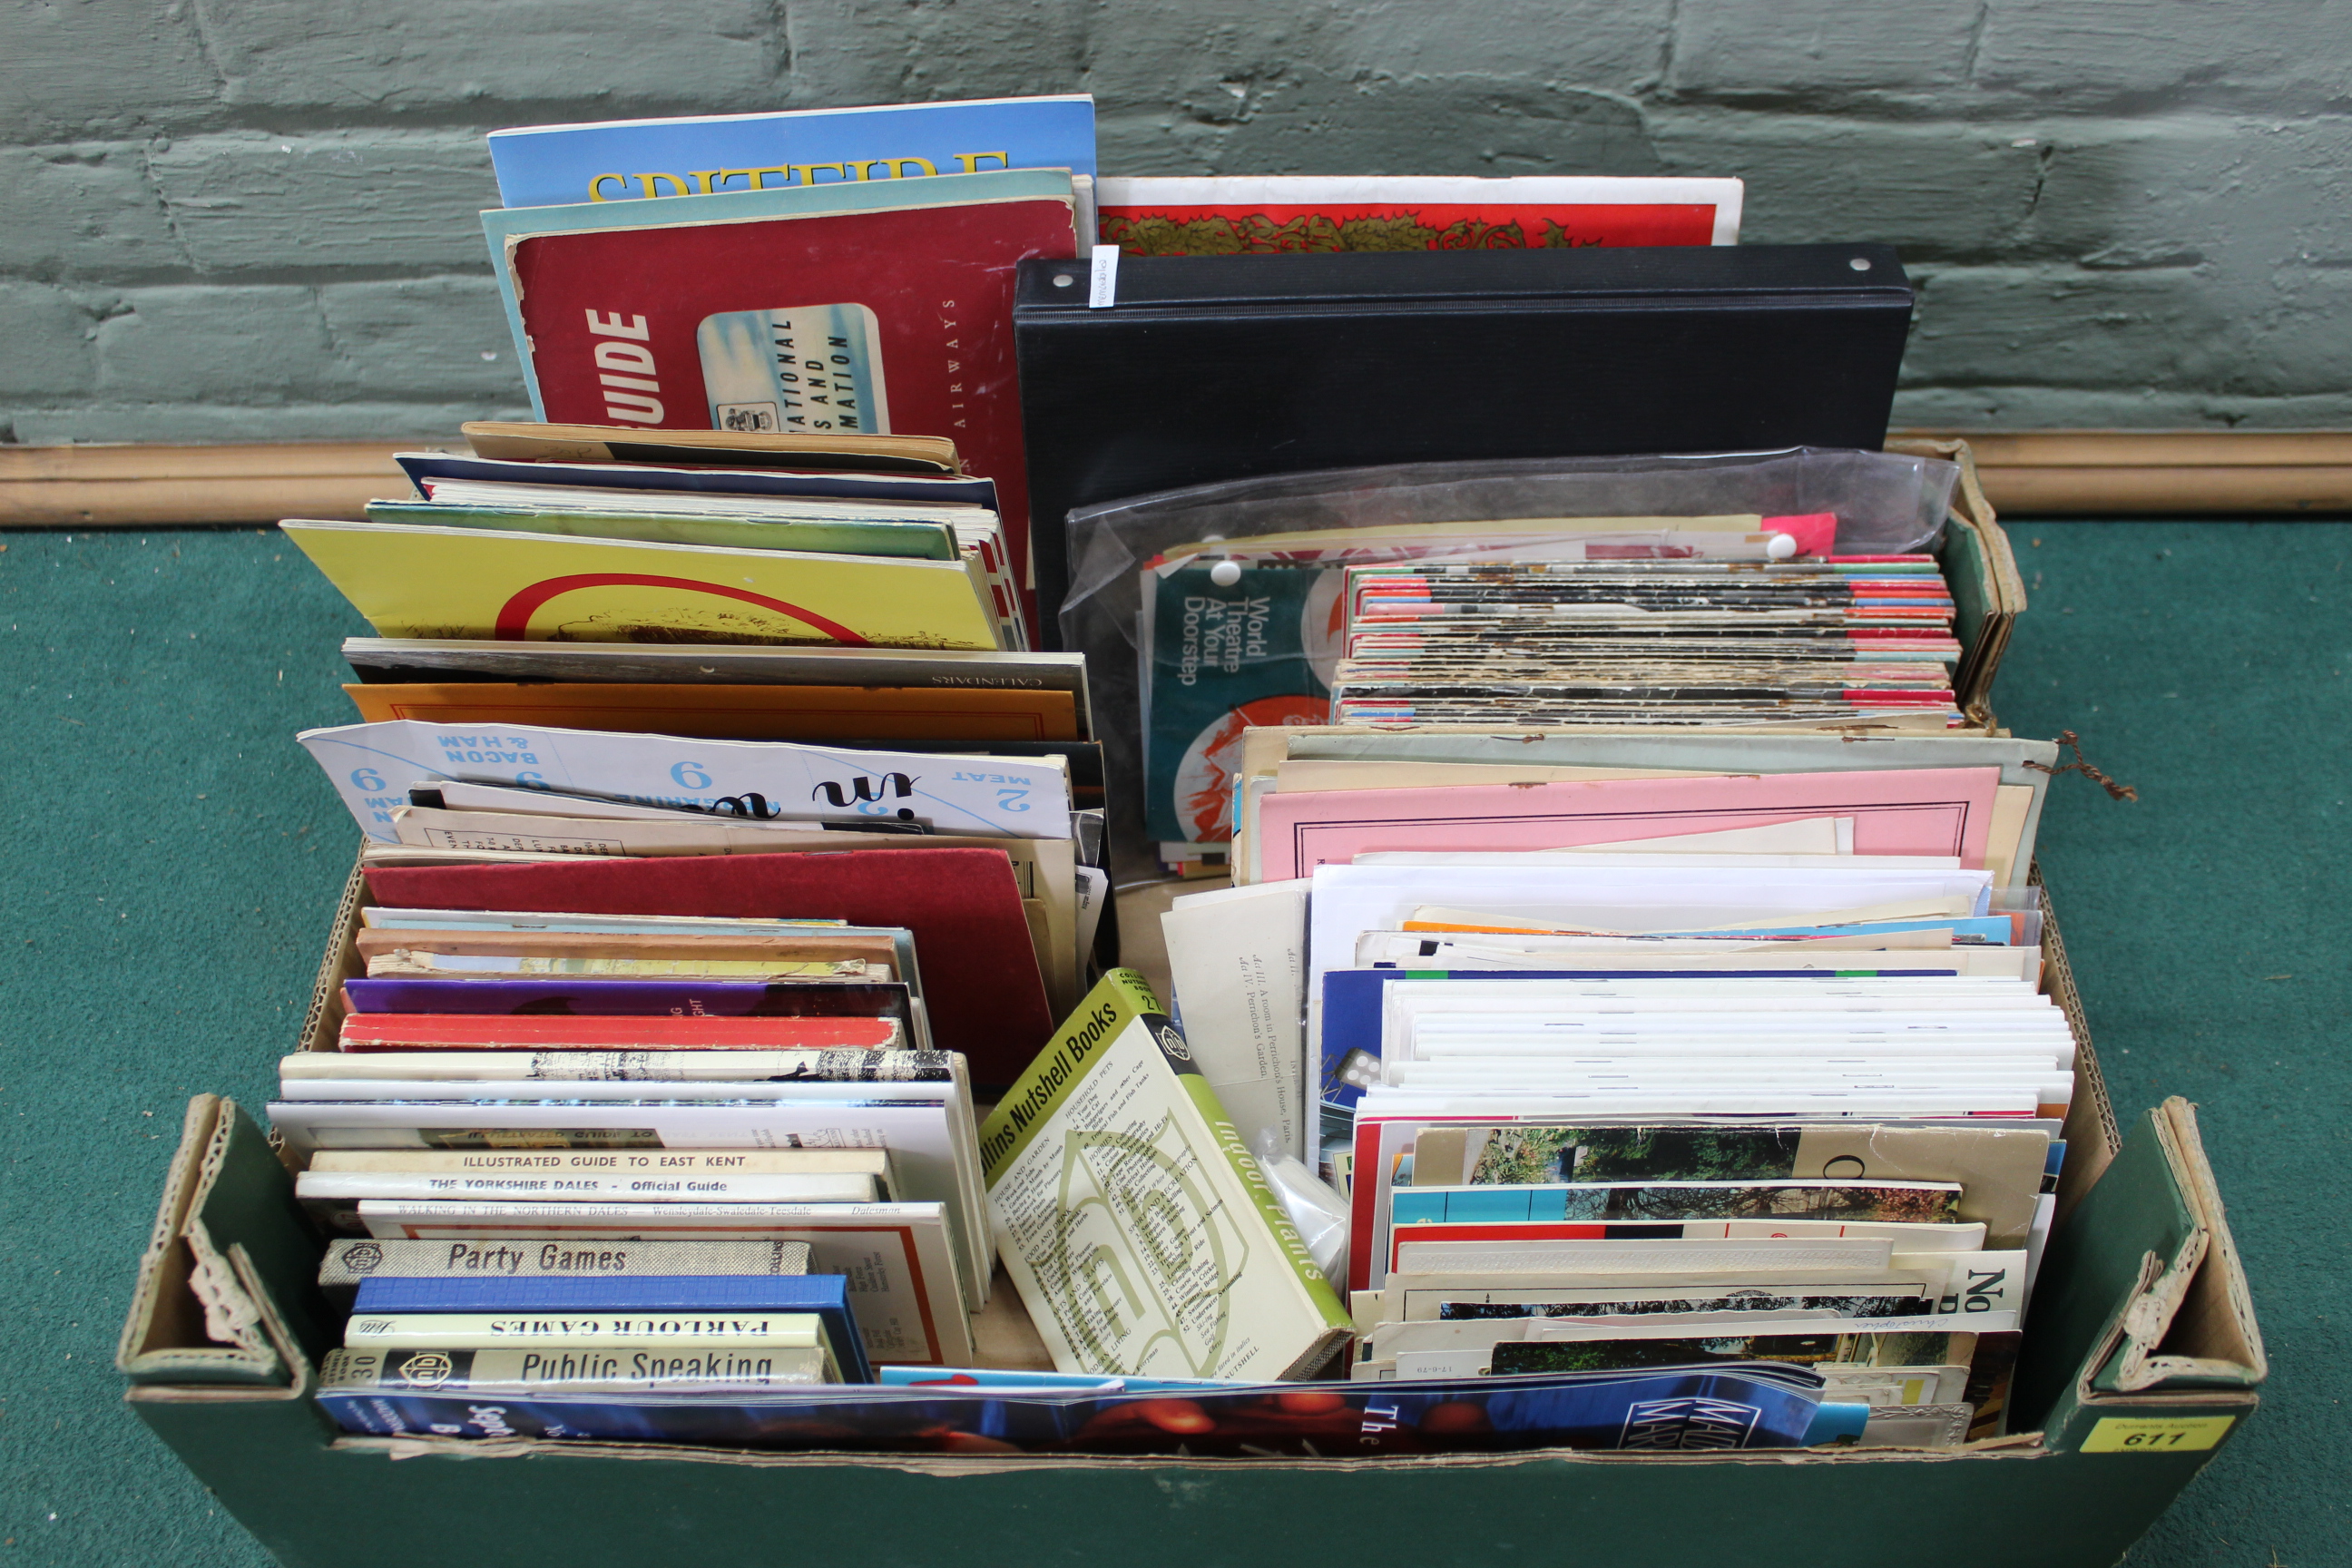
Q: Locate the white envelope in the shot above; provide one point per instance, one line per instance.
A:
(372, 765)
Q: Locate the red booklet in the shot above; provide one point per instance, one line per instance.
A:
(980, 974)
(897, 321)
(1245, 214)
(539, 1032)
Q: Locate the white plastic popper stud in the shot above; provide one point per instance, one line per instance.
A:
(1782, 546)
(1225, 573)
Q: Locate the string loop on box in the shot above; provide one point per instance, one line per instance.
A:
(2083, 766)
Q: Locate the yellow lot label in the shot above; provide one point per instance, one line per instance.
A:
(2155, 1434)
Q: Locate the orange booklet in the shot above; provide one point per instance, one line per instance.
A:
(735, 712)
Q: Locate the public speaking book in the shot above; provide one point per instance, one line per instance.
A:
(507, 1372)
(1142, 1236)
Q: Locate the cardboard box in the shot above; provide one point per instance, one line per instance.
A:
(1979, 567)
(2141, 1360)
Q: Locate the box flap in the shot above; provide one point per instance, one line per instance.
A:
(2112, 1317)
(2206, 1336)
(224, 1292)
(164, 1335)
(1987, 593)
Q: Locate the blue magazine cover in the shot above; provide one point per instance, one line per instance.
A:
(1723, 1406)
(631, 160)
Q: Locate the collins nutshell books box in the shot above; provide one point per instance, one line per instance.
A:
(1142, 1236)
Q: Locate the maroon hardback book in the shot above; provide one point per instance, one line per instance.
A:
(896, 321)
(980, 981)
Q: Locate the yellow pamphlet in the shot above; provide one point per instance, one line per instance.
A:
(418, 581)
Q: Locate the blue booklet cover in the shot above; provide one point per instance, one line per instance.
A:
(631, 160)
(1719, 1407)
(826, 1295)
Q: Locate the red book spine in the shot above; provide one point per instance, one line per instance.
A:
(528, 1032)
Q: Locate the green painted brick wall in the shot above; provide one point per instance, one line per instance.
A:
(254, 219)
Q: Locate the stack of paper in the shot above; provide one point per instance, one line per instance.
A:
(1646, 641)
(1635, 1049)
(579, 1084)
(529, 702)
(692, 910)
(615, 551)
(1718, 621)
(720, 829)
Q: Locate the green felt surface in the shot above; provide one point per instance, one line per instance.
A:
(171, 859)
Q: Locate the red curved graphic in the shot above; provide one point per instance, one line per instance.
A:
(514, 616)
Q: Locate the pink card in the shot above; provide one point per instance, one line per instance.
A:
(1908, 811)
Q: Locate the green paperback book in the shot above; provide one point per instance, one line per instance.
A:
(1142, 1236)
(1219, 657)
